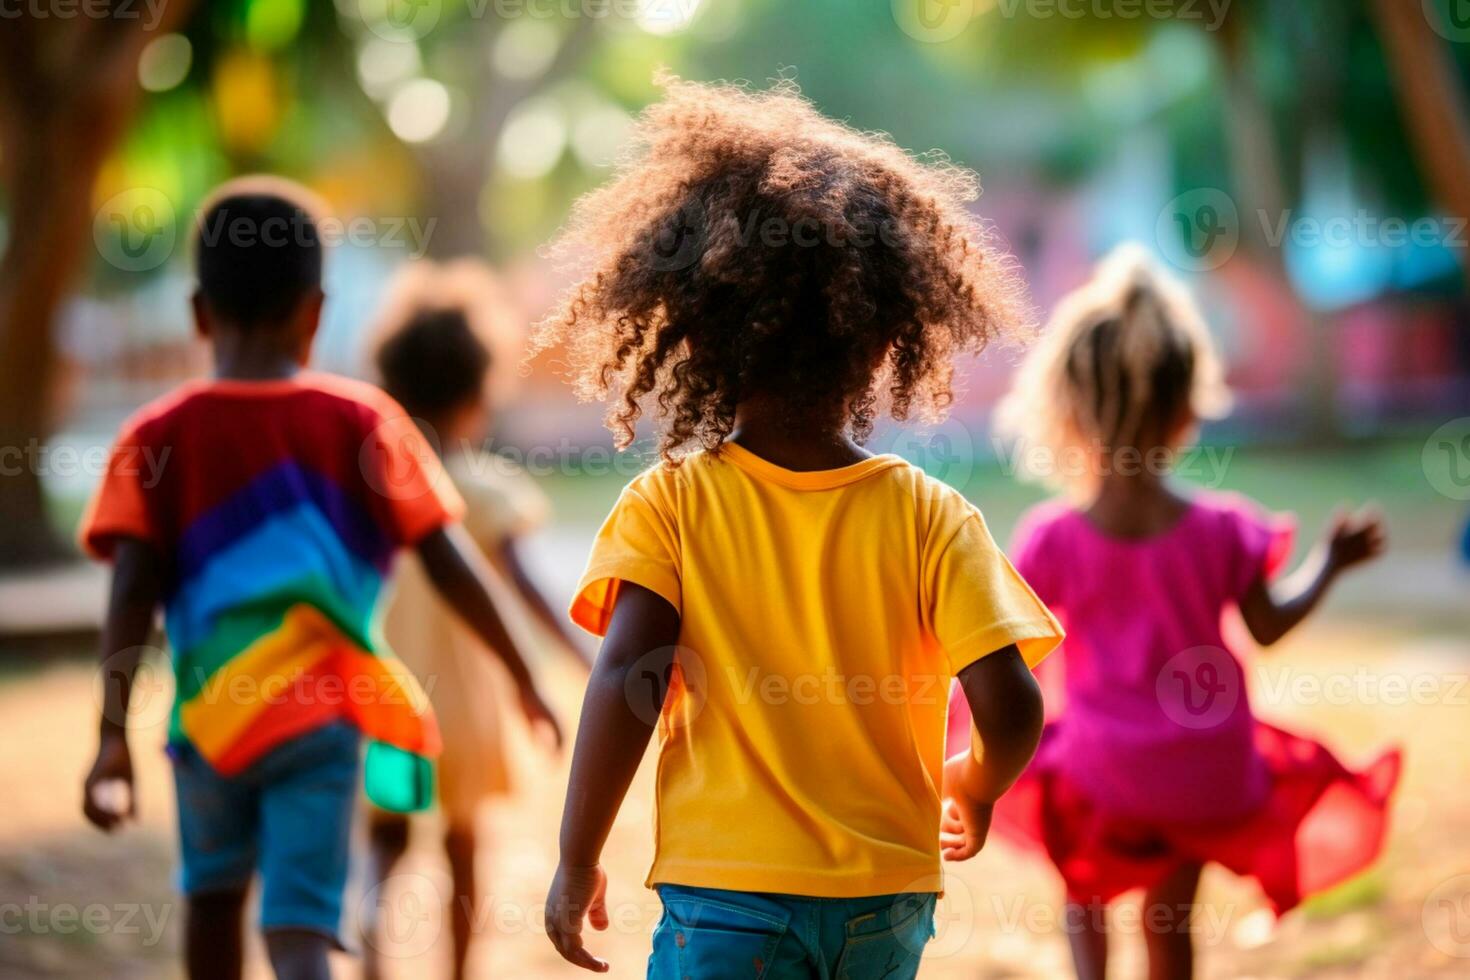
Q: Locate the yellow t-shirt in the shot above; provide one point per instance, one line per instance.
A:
(823, 615)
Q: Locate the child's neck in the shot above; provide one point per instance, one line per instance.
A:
(1136, 505)
(251, 357)
(448, 437)
(803, 442)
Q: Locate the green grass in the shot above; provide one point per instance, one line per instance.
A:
(1306, 482)
(1363, 892)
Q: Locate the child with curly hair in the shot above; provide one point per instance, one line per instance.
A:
(446, 332)
(785, 607)
(1156, 765)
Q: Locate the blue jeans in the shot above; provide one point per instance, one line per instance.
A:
(289, 816)
(713, 934)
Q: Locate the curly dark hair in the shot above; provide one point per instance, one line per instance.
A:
(749, 246)
(434, 363)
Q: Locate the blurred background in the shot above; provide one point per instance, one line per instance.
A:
(1304, 166)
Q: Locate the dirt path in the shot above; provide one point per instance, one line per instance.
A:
(76, 904)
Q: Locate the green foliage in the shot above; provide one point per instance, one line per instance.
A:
(1021, 89)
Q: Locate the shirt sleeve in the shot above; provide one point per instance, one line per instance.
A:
(638, 543)
(501, 503)
(1259, 545)
(979, 604)
(412, 494)
(1034, 559)
(119, 506)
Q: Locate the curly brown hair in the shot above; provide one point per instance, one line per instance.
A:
(749, 246)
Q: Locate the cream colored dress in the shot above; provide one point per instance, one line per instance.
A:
(468, 688)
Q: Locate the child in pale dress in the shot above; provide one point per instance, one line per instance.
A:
(445, 330)
(1156, 764)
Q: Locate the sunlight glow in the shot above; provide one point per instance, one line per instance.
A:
(598, 134)
(666, 16)
(165, 62)
(383, 64)
(525, 48)
(533, 139)
(419, 110)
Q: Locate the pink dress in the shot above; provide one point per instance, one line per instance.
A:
(1154, 758)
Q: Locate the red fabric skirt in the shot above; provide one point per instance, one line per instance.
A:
(1320, 824)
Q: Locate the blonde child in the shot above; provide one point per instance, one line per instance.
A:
(446, 331)
(785, 607)
(1156, 764)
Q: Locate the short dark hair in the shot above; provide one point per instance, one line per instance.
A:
(257, 255)
(433, 363)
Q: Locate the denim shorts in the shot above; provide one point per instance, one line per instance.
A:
(713, 934)
(288, 816)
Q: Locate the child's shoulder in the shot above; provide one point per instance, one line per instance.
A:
(1047, 528)
(940, 510)
(497, 491)
(1243, 533)
(205, 395)
(1229, 509)
(1056, 512)
(1234, 518)
(663, 481)
(350, 393)
(155, 415)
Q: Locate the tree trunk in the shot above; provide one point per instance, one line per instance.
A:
(1255, 162)
(50, 178)
(67, 90)
(1429, 97)
(456, 174)
(1255, 157)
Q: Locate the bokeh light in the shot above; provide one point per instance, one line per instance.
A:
(419, 110)
(165, 62)
(534, 138)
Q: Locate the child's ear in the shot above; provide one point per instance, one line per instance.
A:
(202, 325)
(308, 319)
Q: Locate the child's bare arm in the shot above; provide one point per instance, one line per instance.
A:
(611, 740)
(1270, 613)
(459, 572)
(555, 623)
(137, 587)
(1006, 703)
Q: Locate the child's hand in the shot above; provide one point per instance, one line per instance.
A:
(1354, 538)
(576, 893)
(539, 715)
(107, 794)
(966, 821)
